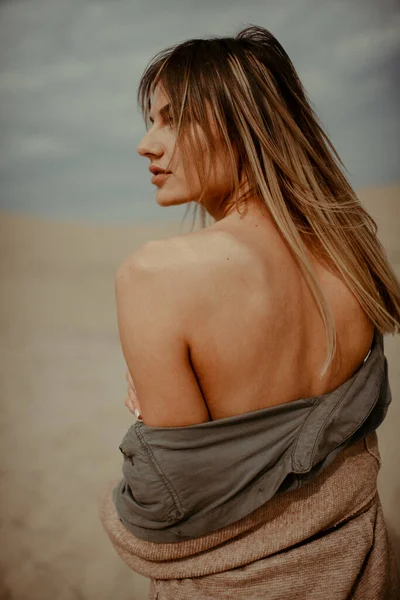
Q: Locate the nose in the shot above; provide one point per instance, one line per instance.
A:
(149, 146)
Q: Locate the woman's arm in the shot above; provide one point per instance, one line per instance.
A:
(155, 292)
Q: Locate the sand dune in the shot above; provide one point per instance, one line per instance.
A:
(62, 390)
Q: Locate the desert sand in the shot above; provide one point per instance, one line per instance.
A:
(62, 390)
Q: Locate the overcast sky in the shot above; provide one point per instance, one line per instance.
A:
(69, 71)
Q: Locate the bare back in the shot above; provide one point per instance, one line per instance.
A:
(260, 340)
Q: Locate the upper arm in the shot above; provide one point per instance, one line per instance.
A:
(153, 308)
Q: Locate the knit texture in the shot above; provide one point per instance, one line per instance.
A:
(324, 540)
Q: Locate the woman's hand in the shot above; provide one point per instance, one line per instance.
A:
(132, 400)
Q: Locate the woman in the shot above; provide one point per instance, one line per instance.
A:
(255, 344)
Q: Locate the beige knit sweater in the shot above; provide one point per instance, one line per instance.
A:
(326, 540)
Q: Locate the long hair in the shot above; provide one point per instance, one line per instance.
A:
(275, 140)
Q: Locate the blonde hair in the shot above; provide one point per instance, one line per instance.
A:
(275, 141)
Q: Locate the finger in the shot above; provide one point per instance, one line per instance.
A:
(129, 405)
(138, 414)
(133, 409)
(129, 379)
(133, 395)
(134, 399)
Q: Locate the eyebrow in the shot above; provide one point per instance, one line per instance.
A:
(162, 112)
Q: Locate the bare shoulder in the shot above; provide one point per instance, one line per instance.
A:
(198, 254)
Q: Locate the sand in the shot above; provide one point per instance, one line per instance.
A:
(62, 377)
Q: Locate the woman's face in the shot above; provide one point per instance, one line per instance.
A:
(178, 187)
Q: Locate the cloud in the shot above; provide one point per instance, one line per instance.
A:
(36, 147)
(69, 72)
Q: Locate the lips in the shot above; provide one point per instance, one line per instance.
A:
(158, 170)
(160, 177)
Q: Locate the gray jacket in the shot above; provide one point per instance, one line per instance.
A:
(183, 482)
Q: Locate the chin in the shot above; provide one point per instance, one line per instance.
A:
(166, 199)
